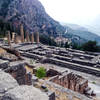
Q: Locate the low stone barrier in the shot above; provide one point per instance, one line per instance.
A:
(73, 66)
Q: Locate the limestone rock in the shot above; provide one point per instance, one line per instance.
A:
(7, 82)
(31, 13)
(18, 71)
(25, 93)
(4, 64)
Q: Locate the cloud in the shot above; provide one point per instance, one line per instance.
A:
(72, 11)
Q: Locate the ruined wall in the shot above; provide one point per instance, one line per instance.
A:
(73, 66)
(10, 90)
(3, 64)
(52, 72)
(18, 71)
(71, 81)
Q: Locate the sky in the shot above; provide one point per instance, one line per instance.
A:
(81, 12)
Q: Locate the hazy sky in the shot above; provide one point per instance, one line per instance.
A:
(72, 11)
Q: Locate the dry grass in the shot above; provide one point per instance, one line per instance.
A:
(75, 98)
(28, 69)
(60, 95)
(2, 51)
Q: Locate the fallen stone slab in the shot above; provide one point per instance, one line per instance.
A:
(25, 93)
(7, 82)
(4, 64)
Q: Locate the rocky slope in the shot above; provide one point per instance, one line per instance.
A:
(31, 13)
(82, 32)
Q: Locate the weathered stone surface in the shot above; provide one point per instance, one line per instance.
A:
(22, 33)
(4, 64)
(52, 72)
(9, 38)
(61, 57)
(34, 79)
(32, 38)
(37, 37)
(70, 65)
(25, 93)
(16, 39)
(68, 92)
(27, 36)
(51, 95)
(18, 71)
(13, 36)
(7, 82)
(10, 90)
(71, 81)
(28, 79)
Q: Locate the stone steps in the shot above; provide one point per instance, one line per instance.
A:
(77, 61)
(73, 66)
(66, 64)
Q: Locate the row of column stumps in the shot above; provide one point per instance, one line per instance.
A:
(27, 35)
(9, 38)
(22, 33)
(15, 36)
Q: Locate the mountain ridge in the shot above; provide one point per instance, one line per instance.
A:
(31, 14)
(82, 32)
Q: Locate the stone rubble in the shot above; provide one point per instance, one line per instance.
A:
(10, 90)
(65, 58)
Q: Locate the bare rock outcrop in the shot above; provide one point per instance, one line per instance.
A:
(7, 82)
(10, 90)
(25, 93)
(31, 13)
(18, 71)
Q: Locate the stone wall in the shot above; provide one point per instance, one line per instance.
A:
(18, 71)
(4, 64)
(30, 55)
(70, 95)
(52, 72)
(71, 81)
(73, 66)
(10, 90)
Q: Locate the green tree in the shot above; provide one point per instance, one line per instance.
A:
(67, 45)
(90, 46)
(45, 39)
(41, 72)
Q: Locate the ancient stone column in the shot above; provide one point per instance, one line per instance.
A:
(16, 39)
(22, 33)
(13, 36)
(9, 38)
(32, 37)
(37, 37)
(27, 36)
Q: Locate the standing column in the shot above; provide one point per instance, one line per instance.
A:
(37, 37)
(16, 39)
(27, 36)
(9, 38)
(13, 36)
(22, 33)
(32, 37)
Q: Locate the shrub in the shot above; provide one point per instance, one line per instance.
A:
(41, 72)
(46, 90)
(6, 41)
(91, 46)
(94, 82)
(67, 45)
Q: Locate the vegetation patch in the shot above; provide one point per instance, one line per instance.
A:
(41, 72)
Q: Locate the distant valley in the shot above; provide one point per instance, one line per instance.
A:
(82, 32)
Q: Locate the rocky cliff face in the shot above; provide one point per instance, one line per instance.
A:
(32, 14)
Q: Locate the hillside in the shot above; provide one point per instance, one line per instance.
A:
(82, 32)
(32, 14)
